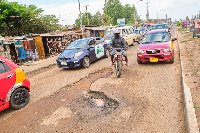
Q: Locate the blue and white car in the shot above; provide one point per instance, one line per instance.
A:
(82, 52)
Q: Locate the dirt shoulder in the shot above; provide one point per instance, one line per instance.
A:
(190, 54)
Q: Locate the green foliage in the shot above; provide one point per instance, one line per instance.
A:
(196, 106)
(179, 24)
(114, 11)
(18, 19)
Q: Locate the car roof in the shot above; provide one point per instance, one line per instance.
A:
(156, 31)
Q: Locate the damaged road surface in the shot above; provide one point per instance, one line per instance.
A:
(146, 98)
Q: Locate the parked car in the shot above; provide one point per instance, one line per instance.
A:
(14, 86)
(82, 52)
(156, 46)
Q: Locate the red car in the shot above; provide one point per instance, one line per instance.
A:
(156, 46)
(14, 87)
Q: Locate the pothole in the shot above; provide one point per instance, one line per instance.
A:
(94, 104)
(100, 100)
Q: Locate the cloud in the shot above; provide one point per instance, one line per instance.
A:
(68, 10)
(68, 13)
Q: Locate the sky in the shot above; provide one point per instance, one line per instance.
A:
(67, 10)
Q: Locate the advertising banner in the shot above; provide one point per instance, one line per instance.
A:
(197, 28)
(121, 22)
(185, 24)
(192, 25)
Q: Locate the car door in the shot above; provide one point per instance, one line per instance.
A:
(99, 49)
(7, 81)
(92, 50)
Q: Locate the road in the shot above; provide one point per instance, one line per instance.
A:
(146, 98)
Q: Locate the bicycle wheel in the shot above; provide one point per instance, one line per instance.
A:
(118, 68)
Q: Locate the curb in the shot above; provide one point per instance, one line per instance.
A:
(37, 69)
(190, 116)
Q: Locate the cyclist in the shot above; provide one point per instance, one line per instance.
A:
(118, 42)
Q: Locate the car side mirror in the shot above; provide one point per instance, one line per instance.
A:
(174, 39)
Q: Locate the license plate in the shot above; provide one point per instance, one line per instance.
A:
(153, 59)
(118, 53)
(63, 63)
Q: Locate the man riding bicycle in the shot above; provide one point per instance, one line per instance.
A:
(118, 42)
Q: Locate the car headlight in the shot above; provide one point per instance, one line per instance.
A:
(167, 50)
(140, 51)
(78, 54)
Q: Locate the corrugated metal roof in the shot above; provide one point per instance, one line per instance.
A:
(96, 28)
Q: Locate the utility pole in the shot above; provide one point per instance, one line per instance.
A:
(80, 18)
(147, 15)
(166, 18)
(199, 14)
(87, 14)
(106, 12)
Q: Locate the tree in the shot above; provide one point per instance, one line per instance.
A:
(114, 10)
(84, 19)
(18, 19)
(96, 19)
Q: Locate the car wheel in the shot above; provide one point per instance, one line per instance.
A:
(139, 62)
(86, 62)
(107, 53)
(19, 98)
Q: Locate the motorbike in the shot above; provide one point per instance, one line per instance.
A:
(118, 60)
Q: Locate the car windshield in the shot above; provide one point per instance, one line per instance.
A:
(161, 26)
(78, 44)
(156, 37)
(108, 35)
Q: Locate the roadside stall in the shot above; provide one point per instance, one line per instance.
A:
(20, 50)
(30, 48)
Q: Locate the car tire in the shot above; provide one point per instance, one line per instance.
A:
(86, 62)
(139, 62)
(19, 98)
(107, 54)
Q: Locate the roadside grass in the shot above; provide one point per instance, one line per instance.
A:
(190, 59)
(187, 40)
(195, 73)
(183, 29)
(196, 106)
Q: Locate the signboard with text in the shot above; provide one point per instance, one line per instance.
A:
(185, 24)
(197, 28)
(121, 22)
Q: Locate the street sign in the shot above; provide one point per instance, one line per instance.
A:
(197, 28)
(121, 22)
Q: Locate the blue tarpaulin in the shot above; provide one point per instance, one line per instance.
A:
(21, 51)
